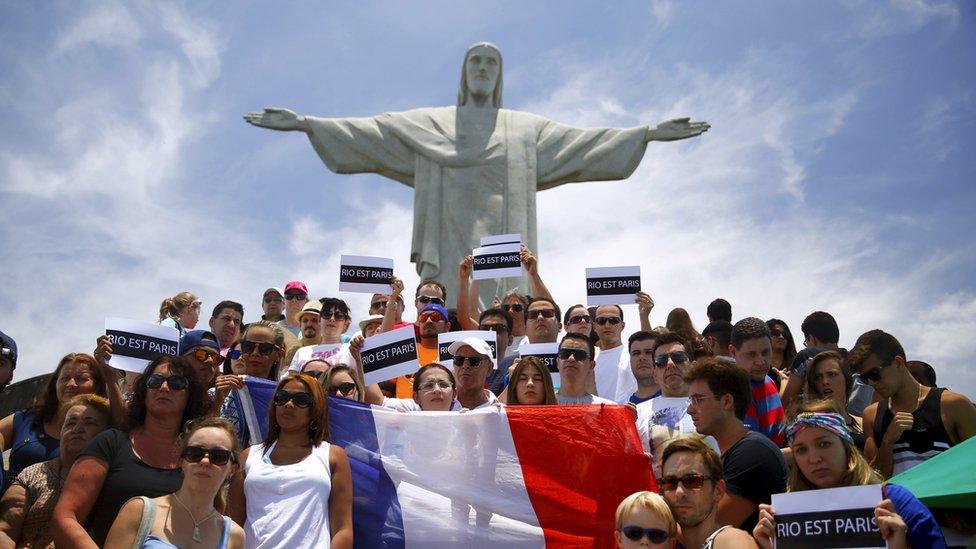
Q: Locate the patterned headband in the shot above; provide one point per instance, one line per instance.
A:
(825, 420)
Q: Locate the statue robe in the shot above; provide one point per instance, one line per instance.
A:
(473, 180)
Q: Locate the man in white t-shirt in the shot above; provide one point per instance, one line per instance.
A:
(575, 363)
(614, 378)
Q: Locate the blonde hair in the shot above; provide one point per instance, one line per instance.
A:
(650, 501)
(858, 473)
(90, 400)
(174, 307)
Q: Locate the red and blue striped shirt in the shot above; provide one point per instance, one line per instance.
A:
(765, 414)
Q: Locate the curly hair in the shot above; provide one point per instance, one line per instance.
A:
(198, 402)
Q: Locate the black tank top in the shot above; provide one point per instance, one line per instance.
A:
(926, 439)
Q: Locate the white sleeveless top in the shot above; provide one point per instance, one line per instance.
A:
(287, 505)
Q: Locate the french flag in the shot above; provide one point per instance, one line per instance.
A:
(520, 476)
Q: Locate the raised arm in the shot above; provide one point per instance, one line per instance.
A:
(675, 129)
(537, 288)
(276, 118)
(389, 318)
(464, 303)
(644, 306)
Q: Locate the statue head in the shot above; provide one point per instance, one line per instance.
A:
(481, 74)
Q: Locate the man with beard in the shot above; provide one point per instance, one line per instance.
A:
(309, 320)
(692, 485)
(226, 322)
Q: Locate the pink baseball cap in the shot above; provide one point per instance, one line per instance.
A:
(296, 285)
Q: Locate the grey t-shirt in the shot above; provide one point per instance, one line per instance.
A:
(585, 399)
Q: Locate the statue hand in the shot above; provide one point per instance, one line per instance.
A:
(276, 119)
(675, 129)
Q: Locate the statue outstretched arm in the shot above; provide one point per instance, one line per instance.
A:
(276, 118)
(675, 129)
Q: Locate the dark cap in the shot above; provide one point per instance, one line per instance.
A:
(8, 348)
(198, 338)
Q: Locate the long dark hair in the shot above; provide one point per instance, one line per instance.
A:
(318, 423)
(789, 353)
(198, 403)
(531, 362)
(46, 404)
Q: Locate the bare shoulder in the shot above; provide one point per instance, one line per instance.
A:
(734, 538)
(957, 401)
(337, 454)
(236, 540)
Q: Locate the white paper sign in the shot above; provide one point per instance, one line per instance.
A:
(612, 285)
(545, 352)
(313, 352)
(389, 354)
(835, 517)
(365, 274)
(501, 239)
(500, 261)
(444, 341)
(135, 344)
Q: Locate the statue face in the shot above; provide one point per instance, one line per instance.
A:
(481, 70)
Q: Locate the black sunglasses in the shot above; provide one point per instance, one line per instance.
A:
(514, 307)
(544, 313)
(175, 383)
(604, 320)
(343, 388)
(578, 354)
(377, 304)
(338, 315)
(313, 373)
(635, 533)
(293, 297)
(494, 327)
(678, 357)
(474, 361)
(426, 300)
(579, 319)
(691, 481)
(247, 347)
(874, 374)
(301, 399)
(217, 456)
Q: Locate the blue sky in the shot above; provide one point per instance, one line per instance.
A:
(837, 174)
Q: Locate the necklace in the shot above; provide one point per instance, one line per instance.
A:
(196, 523)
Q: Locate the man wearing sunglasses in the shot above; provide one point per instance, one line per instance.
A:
(911, 423)
(272, 304)
(752, 350)
(201, 348)
(541, 326)
(295, 296)
(692, 485)
(472, 362)
(575, 364)
(614, 378)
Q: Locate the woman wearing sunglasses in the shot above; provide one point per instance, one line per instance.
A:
(828, 378)
(187, 517)
(824, 456)
(342, 381)
(295, 489)
(644, 520)
(142, 460)
(261, 349)
(784, 348)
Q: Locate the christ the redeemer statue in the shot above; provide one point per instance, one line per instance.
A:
(475, 168)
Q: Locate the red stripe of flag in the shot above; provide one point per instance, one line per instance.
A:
(579, 462)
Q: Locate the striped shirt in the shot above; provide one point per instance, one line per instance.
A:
(765, 414)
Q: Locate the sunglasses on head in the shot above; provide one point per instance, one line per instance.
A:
(217, 456)
(248, 347)
(544, 313)
(431, 317)
(579, 319)
(427, 300)
(604, 320)
(175, 383)
(578, 354)
(301, 399)
(678, 357)
(338, 315)
(691, 481)
(474, 361)
(513, 307)
(203, 355)
(635, 533)
(342, 388)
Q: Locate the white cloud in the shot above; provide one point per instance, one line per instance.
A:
(107, 24)
(881, 19)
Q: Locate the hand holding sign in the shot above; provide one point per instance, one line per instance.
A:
(134, 344)
(832, 517)
(389, 354)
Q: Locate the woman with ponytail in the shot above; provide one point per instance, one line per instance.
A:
(182, 311)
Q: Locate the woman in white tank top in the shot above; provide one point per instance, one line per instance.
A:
(295, 489)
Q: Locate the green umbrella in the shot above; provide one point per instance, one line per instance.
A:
(947, 481)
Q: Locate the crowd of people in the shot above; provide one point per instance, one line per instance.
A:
(165, 458)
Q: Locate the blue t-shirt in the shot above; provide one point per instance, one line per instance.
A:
(634, 399)
(29, 444)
